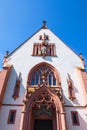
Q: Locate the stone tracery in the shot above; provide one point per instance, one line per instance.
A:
(43, 100)
(44, 48)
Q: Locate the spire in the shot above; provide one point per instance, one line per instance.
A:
(44, 25)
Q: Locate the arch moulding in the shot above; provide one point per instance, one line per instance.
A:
(44, 103)
(34, 103)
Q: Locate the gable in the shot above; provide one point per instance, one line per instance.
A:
(61, 54)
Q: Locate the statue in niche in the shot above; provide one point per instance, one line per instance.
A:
(43, 50)
(44, 45)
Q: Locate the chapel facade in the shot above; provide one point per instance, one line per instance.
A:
(43, 86)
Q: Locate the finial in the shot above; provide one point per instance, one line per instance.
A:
(81, 57)
(7, 53)
(5, 57)
(44, 25)
(44, 22)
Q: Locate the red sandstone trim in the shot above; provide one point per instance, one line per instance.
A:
(28, 118)
(68, 106)
(75, 122)
(84, 77)
(9, 117)
(16, 89)
(71, 92)
(83, 81)
(12, 105)
(49, 66)
(64, 105)
(4, 75)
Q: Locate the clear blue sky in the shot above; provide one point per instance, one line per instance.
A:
(19, 19)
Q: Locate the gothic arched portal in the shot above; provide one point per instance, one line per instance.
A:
(44, 101)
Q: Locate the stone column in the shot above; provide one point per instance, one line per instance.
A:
(29, 119)
(57, 119)
(63, 120)
(22, 119)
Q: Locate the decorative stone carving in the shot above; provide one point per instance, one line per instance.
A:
(43, 100)
(43, 111)
(5, 57)
(44, 77)
(44, 44)
(44, 48)
(70, 88)
(59, 93)
(17, 87)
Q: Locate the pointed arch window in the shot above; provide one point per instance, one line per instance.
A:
(36, 77)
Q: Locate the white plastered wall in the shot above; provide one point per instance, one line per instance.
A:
(4, 113)
(65, 62)
(82, 117)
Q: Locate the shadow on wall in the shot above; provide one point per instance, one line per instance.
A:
(69, 101)
(78, 122)
(47, 58)
(76, 90)
(76, 101)
(72, 97)
(82, 121)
